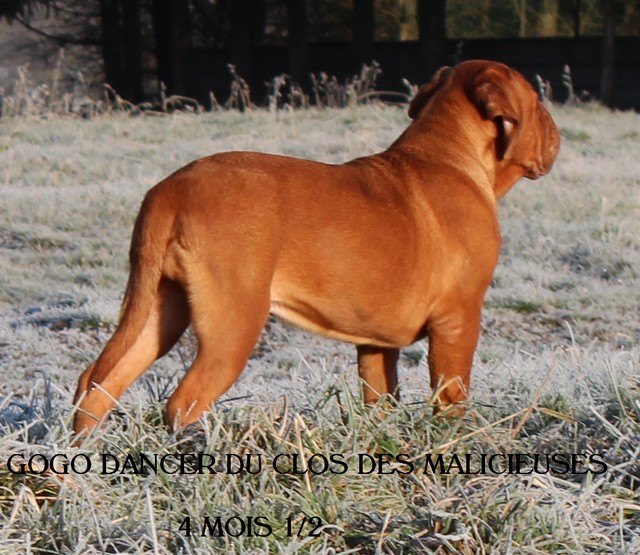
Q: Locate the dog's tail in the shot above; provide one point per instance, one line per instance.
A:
(149, 241)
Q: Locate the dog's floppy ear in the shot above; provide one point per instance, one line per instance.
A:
(494, 104)
(424, 94)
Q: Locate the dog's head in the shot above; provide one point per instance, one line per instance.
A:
(526, 139)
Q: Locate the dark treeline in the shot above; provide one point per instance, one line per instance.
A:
(142, 38)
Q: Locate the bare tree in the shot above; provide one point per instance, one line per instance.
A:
(132, 38)
(432, 34)
(22, 9)
(297, 25)
(170, 30)
(608, 34)
(576, 9)
(247, 28)
(122, 47)
(239, 12)
(363, 30)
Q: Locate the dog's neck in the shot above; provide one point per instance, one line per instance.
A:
(439, 123)
(440, 126)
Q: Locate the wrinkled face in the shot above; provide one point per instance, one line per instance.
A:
(533, 141)
(526, 139)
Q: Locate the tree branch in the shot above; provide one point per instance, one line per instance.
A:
(60, 39)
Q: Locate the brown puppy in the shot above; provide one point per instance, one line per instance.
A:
(381, 251)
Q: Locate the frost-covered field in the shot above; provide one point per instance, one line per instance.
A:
(557, 368)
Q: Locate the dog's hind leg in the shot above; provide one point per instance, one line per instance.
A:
(130, 352)
(228, 314)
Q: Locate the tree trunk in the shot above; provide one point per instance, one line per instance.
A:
(432, 34)
(170, 29)
(132, 35)
(608, 34)
(577, 18)
(522, 15)
(258, 22)
(363, 29)
(112, 42)
(297, 24)
(240, 17)
(122, 47)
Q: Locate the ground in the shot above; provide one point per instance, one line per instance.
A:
(557, 369)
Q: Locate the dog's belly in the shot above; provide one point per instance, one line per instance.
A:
(340, 317)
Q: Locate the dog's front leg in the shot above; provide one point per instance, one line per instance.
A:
(378, 371)
(452, 343)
